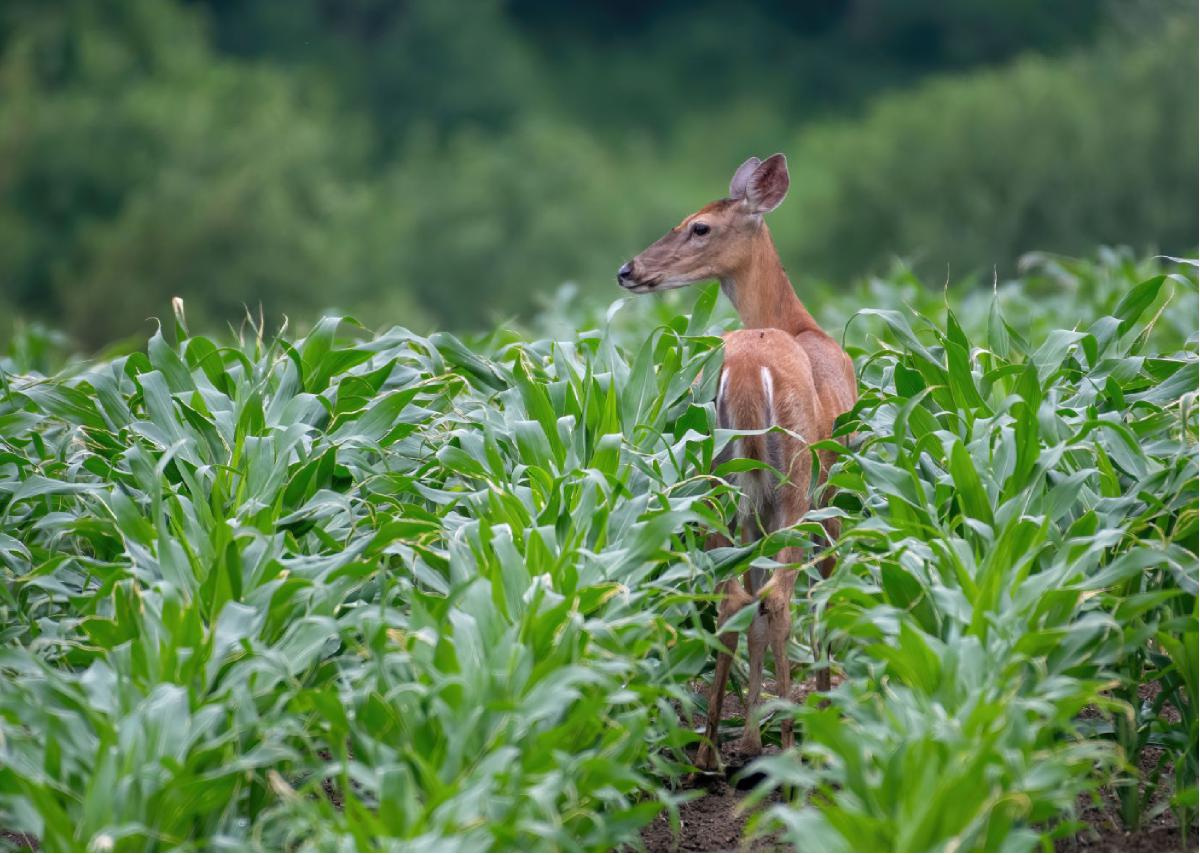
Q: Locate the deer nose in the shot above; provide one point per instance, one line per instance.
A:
(625, 272)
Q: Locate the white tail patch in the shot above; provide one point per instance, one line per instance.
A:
(768, 394)
(757, 507)
(759, 501)
(733, 448)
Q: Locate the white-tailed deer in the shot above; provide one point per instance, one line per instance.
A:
(782, 369)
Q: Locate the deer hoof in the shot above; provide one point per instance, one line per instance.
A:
(750, 745)
(708, 759)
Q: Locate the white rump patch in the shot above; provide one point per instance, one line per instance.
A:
(769, 394)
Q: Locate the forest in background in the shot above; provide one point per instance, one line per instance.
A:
(446, 164)
(339, 585)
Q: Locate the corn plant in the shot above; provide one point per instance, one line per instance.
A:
(387, 591)
(353, 592)
(1020, 543)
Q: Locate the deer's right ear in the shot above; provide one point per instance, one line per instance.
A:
(767, 185)
(737, 184)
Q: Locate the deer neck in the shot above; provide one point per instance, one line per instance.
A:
(762, 293)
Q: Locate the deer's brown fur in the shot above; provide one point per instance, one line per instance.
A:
(781, 369)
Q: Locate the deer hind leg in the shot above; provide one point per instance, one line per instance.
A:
(833, 530)
(746, 401)
(778, 605)
(757, 513)
(756, 641)
(733, 598)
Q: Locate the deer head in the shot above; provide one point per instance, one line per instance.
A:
(716, 242)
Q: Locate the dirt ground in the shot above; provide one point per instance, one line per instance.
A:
(714, 823)
(1106, 833)
(15, 841)
(711, 823)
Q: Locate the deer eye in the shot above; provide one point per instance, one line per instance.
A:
(700, 229)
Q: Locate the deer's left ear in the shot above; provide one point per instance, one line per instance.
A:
(767, 185)
(737, 184)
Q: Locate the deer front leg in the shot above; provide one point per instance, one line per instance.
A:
(824, 683)
(833, 530)
(756, 641)
(733, 598)
(778, 604)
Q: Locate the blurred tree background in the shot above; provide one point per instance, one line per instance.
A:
(450, 162)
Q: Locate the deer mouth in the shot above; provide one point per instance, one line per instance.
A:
(642, 286)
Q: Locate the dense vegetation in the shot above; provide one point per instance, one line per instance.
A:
(394, 591)
(441, 164)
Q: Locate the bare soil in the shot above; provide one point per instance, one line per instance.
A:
(15, 841)
(1105, 831)
(711, 823)
(716, 821)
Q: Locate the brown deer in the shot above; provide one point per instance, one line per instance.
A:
(782, 369)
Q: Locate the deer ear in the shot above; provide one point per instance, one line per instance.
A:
(737, 184)
(767, 185)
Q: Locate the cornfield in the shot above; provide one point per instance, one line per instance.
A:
(387, 591)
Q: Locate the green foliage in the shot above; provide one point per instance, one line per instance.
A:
(117, 199)
(967, 174)
(435, 163)
(1020, 541)
(395, 591)
(453, 63)
(421, 63)
(540, 205)
(458, 590)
